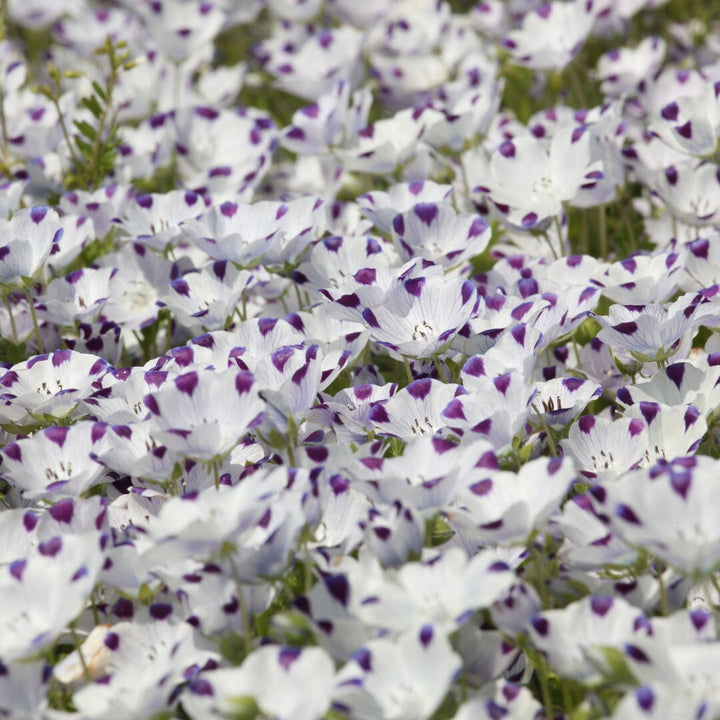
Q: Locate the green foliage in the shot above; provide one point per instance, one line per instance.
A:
(93, 145)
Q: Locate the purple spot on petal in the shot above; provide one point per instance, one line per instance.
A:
(187, 382)
(287, 656)
(339, 587)
(626, 513)
(420, 389)
(426, 635)
(62, 511)
(57, 435)
(426, 212)
(159, 610)
(601, 605)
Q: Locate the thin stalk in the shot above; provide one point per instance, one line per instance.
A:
(664, 605)
(13, 327)
(408, 371)
(551, 441)
(542, 671)
(244, 610)
(540, 575)
(307, 568)
(78, 647)
(602, 231)
(439, 369)
(36, 326)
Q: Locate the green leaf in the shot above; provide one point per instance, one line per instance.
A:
(92, 105)
(100, 91)
(86, 130)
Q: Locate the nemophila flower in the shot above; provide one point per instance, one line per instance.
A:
(26, 242)
(331, 261)
(101, 206)
(623, 70)
(495, 408)
(513, 349)
(531, 179)
(247, 515)
(387, 145)
(415, 410)
(203, 414)
(503, 507)
(672, 431)
(34, 618)
(436, 232)
(428, 475)
(291, 385)
(406, 678)
(207, 300)
(133, 450)
(417, 312)
(692, 694)
(146, 664)
(224, 151)
(182, 28)
(464, 107)
(701, 262)
(597, 363)
(650, 333)
(55, 462)
(382, 207)
(681, 383)
(347, 412)
(691, 191)
(37, 13)
(574, 637)
(78, 297)
(552, 34)
(603, 449)
(140, 276)
(500, 699)
(244, 233)
(393, 533)
(24, 687)
(560, 400)
(340, 342)
(587, 544)
(690, 122)
(315, 64)
(669, 509)
(49, 385)
(641, 279)
(331, 121)
(306, 676)
(444, 589)
(154, 220)
(119, 399)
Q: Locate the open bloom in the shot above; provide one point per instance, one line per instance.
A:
(531, 179)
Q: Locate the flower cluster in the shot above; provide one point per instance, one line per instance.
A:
(359, 359)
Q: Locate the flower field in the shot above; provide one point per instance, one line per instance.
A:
(359, 360)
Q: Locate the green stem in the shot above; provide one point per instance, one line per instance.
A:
(664, 605)
(439, 369)
(408, 372)
(36, 326)
(550, 440)
(540, 577)
(542, 671)
(602, 232)
(78, 647)
(244, 610)
(13, 327)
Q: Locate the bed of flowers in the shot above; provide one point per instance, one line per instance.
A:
(359, 359)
